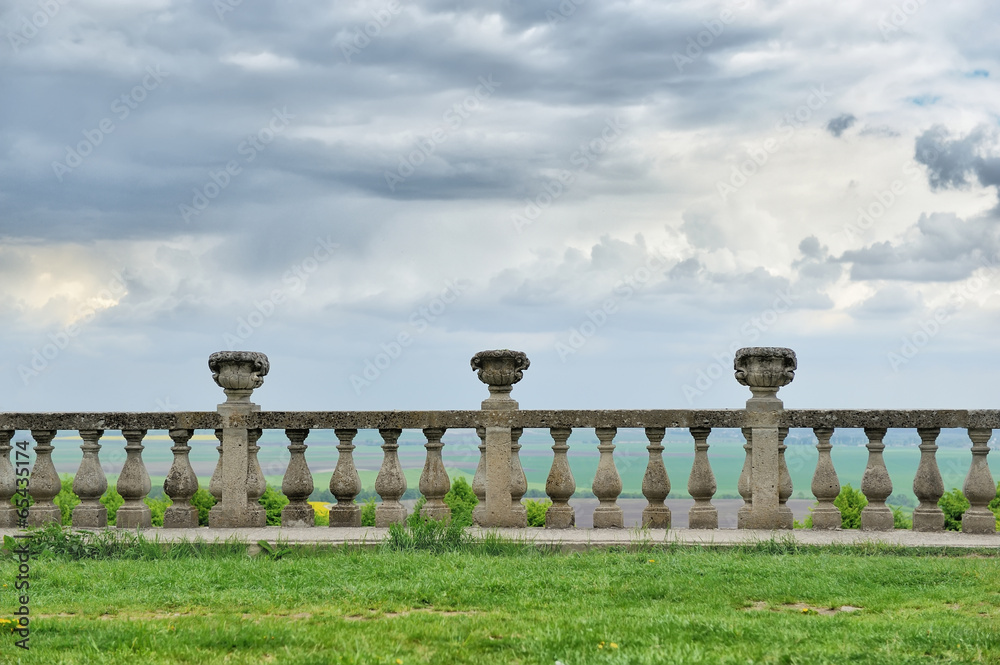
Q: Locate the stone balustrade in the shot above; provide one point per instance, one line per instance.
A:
(500, 483)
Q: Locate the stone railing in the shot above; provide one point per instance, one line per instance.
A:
(238, 482)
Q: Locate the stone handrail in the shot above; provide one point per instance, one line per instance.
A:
(499, 482)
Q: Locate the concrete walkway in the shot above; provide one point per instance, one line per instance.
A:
(574, 539)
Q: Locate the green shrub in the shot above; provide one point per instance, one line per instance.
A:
(203, 501)
(901, 519)
(157, 507)
(414, 518)
(324, 520)
(273, 501)
(367, 513)
(850, 502)
(536, 511)
(461, 499)
(66, 500)
(112, 500)
(953, 504)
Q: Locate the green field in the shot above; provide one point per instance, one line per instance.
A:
(461, 455)
(481, 604)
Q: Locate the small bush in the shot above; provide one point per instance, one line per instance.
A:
(273, 501)
(461, 499)
(850, 502)
(112, 500)
(953, 504)
(536, 511)
(367, 513)
(203, 501)
(66, 500)
(901, 519)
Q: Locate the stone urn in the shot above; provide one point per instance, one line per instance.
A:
(765, 369)
(500, 369)
(238, 373)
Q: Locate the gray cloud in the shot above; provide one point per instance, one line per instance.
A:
(840, 124)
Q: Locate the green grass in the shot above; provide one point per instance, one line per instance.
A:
(509, 603)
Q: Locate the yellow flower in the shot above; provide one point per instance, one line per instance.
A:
(805, 610)
(652, 560)
(601, 645)
(614, 646)
(399, 661)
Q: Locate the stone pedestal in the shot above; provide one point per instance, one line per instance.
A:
(499, 369)
(765, 370)
(238, 373)
(979, 487)
(90, 484)
(45, 484)
(560, 484)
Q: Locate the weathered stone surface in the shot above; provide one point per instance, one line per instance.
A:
(215, 485)
(345, 484)
(479, 480)
(390, 482)
(655, 482)
(825, 484)
(434, 481)
(701, 484)
(239, 373)
(180, 484)
(765, 369)
(518, 481)
(876, 485)
(8, 482)
(745, 483)
(785, 488)
(45, 484)
(297, 484)
(607, 483)
(256, 483)
(979, 487)
(90, 484)
(927, 484)
(133, 485)
(560, 484)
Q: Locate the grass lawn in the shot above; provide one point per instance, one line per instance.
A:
(764, 604)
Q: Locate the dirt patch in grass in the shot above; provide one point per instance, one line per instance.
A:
(421, 610)
(802, 608)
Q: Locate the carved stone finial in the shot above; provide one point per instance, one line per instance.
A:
(765, 369)
(238, 373)
(500, 369)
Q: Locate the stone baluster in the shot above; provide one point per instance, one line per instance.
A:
(655, 482)
(180, 484)
(238, 373)
(133, 484)
(390, 482)
(8, 482)
(979, 487)
(90, 484)
(256, 483)
(479, 480)
(434, 481)
(215, 485)
(876, 485)
(745, 484)
(785, 488)
(607, 483)
(45, 484)
(765, 370)
(345, 483)
(825, 485)
(499, 369)
(518, 481)
(560, 484)
(297, 484)
(701, 484)
(927, 484)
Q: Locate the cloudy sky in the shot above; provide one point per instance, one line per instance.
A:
(370, 192)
